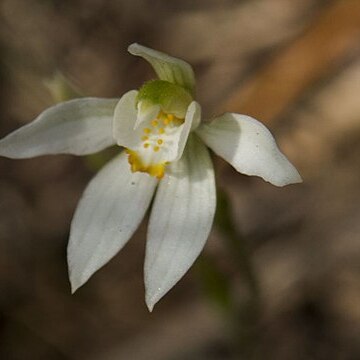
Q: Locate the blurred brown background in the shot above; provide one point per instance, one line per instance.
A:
(295, 65)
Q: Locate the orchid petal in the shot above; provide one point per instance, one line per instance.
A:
(109, 212)
(78, 127)
(180, 220)
(249, 147)
(125, 118)
(167, 68)
(192, 119)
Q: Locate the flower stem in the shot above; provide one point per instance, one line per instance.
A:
(236, 243)
(245, 309)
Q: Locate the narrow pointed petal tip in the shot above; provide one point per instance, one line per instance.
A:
(75, 284)
(294, 178)
(152, 298)
(150, 302)
(77, 280)
(73, 288)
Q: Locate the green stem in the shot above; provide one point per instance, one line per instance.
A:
(235, 242)
(245, 311)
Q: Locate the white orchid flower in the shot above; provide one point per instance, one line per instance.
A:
(165, 142)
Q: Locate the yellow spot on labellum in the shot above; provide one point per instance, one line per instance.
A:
(156, 170)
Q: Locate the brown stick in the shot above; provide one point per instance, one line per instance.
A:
(320, 49)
